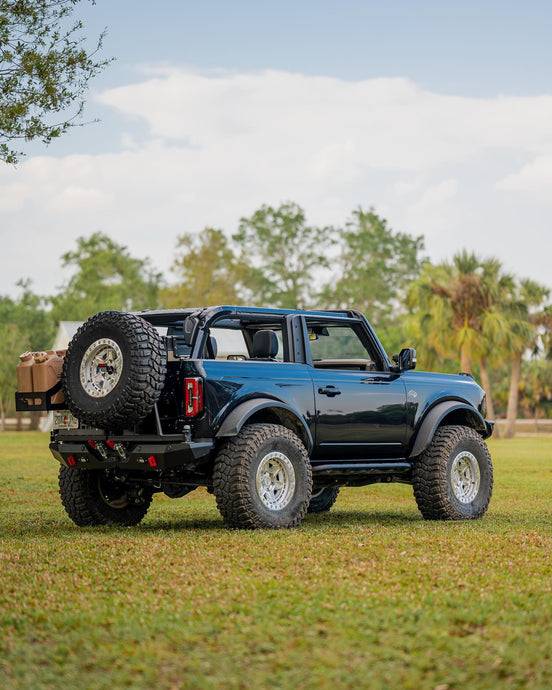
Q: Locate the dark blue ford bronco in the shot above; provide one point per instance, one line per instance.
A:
(272, 410)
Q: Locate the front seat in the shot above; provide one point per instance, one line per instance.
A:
(265, 345)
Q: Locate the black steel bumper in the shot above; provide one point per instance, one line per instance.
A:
(95, 450)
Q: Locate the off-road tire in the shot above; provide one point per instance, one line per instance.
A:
(433, 482)
(323, 499)
(141, 378)
(83, 501)
(241, 486)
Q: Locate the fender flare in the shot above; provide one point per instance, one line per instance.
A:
(235, 420)
(434, 418)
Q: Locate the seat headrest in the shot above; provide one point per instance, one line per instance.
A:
(265, 345)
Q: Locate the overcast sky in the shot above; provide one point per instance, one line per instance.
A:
(438, 114)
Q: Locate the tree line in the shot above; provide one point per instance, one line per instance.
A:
(465, 314)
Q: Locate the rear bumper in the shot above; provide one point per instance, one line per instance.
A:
(95, 451)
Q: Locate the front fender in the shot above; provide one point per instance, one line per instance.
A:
(240, 414)
(435, 417)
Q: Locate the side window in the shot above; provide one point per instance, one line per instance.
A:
(233, 343)
(230, 343)
(338, 346)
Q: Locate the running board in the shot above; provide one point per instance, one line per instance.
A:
(361, 468)
(361, 473)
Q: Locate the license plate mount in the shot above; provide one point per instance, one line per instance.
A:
(63, 419)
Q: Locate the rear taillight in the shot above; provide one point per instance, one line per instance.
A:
(193, 396)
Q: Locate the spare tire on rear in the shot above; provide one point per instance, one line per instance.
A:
(114, 370)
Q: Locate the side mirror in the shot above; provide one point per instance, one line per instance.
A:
(405, 360)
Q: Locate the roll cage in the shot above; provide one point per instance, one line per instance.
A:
(250, 319)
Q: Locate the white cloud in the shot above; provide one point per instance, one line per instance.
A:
(73, 198)
(220, 145)
(435, 196)
(535, 179)
(391, 123)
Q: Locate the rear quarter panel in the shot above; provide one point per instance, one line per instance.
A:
(229, 383)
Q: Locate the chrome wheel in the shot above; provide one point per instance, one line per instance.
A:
(465, 477)
(101, 367)
(275, 480)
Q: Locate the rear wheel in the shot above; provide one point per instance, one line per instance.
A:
(323, 499)
(453, 478)
(263, 478)
(99, 497)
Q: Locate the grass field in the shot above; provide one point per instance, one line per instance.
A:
(368, 596)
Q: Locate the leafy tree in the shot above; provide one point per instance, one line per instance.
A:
(25, 324)
(105, 277)
(206, 269)
(536, 388)
(279, 255)
(374, 268)
(29, 312)
(44, 71)
(13, 341)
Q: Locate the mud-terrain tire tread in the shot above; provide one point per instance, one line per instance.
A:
(75, 498)
(230, 477)
(430, 480)
(144, 380)
(324, 501)
(86, 508)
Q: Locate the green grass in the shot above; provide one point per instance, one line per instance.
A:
(367, 596)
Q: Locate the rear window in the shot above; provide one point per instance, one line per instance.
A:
(230, 343)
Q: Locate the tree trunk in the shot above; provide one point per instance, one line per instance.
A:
(35, 421)
(466, 359)
(486, 384)
(2, 416)
(511, 414)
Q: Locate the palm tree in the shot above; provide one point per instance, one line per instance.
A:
(526, 319)
(458, 309)
(470, 308)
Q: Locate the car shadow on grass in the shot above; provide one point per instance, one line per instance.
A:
(350, 518)
(38, 526)
(33, 528)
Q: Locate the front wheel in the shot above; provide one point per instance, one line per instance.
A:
(453, 478)
(99, 497)
(263, 478)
